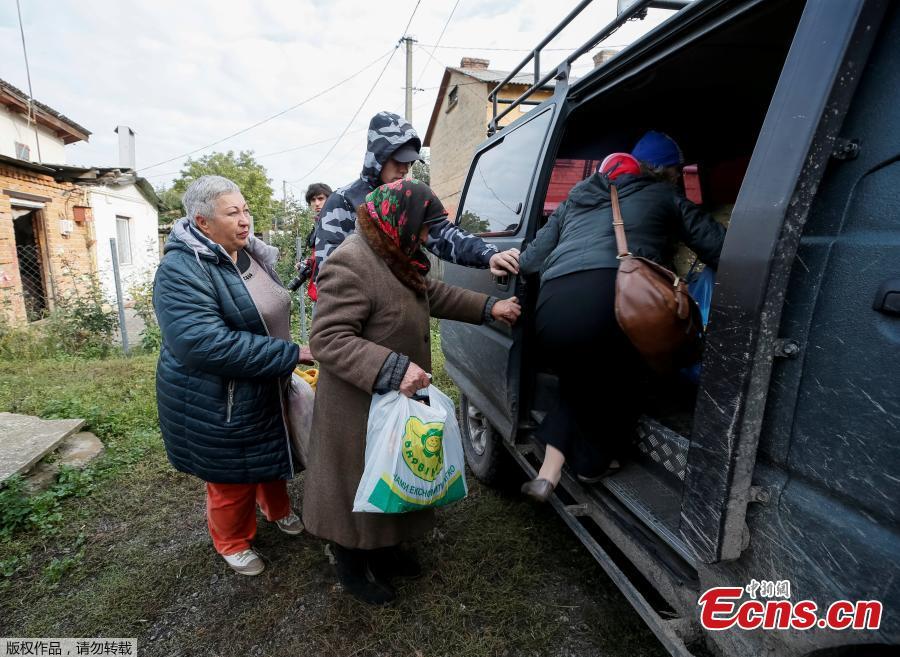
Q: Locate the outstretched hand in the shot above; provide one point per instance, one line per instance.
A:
(505, 263)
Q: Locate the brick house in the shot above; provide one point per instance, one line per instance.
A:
(56, 220)
(45, 228)
(460, 118)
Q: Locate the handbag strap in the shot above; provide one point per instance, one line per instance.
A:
(618, 224)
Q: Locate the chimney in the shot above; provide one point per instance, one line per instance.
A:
(474, 62)
(603, 56)
(126, 147)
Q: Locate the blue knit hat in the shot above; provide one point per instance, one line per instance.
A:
(658, 150)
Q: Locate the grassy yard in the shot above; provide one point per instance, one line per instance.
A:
(122, 550)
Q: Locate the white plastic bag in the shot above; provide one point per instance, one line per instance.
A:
(414, 455)
(300, 399)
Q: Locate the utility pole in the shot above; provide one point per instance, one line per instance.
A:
(284, 203)
(409, 79)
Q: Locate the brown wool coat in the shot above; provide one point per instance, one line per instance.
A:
(363, 314)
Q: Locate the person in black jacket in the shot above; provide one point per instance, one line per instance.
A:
(575, 252)
(226, 354)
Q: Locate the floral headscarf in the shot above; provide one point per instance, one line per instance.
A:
(400, 209)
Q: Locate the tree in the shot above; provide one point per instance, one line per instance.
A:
(245, 171)
(170, 200)
(474, 223)
(421, 170)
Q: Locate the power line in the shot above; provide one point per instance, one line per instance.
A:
(440, 36)
(352, 119)
(458, 84)
(273, 154)
(411, 16)
(31, 116)
(276, 115)
(465, 84)
(364, 101)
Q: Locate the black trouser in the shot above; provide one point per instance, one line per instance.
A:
(580, 338)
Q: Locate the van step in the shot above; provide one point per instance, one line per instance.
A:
(669, 631)
(653, 499)
(657, 445)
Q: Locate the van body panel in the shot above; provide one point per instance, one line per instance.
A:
(795, 144)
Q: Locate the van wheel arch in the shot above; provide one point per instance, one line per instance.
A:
(483, 446)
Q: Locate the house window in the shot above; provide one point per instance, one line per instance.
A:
(123, 239)
(23, 152)
(452, 98)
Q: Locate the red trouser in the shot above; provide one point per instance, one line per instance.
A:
(231, 511)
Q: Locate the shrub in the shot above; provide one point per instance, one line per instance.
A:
(81, 324)
(142, 294)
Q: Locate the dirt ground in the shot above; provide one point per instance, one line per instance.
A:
(133, 558)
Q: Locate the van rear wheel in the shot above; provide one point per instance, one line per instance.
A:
(482, 444)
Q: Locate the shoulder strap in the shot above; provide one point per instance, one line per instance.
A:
(618, 224)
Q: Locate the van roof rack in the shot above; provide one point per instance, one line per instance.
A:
(634, 9)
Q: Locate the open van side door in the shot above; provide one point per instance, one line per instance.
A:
(799, 135)
(498, 204)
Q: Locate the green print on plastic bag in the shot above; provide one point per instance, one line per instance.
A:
(423, 449)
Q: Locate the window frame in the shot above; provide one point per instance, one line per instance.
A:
(120, 218)
(473, 166)
(452, 98)
(22, 148)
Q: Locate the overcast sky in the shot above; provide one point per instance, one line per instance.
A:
(185, 74)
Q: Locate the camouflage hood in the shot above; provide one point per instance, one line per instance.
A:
(387, 133)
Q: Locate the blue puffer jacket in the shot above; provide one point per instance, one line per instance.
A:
(220, 375)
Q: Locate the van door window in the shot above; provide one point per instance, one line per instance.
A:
(501, 178)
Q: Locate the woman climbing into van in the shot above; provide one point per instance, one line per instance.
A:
(576, 327)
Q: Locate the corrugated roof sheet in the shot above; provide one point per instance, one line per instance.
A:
(495, 76)
(6, 86)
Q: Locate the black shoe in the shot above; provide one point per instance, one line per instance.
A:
(351, 566)
(389, 563)
(539, 490)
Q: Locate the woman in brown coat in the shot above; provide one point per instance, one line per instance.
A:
(371, 335)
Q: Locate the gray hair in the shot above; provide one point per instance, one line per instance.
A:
(200, 196)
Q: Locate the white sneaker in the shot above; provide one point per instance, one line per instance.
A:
(245, 563)
(290, 524)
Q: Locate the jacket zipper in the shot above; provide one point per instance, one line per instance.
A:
(230, 403)
(287, 435)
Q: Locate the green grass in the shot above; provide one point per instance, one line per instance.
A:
(122, 549)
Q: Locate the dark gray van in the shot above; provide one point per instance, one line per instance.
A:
(778, 475)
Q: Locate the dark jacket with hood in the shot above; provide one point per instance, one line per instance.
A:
(337, 220)
(579, 235)
(219, 376)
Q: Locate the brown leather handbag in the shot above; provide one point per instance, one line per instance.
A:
(653, 306)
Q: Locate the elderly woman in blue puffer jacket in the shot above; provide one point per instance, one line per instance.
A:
(226, 355)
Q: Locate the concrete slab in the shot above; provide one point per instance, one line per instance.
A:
(24, 440)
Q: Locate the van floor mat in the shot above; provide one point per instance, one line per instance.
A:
(662, 448)
(653, 499)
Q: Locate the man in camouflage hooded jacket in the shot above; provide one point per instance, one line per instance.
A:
(393, 146)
